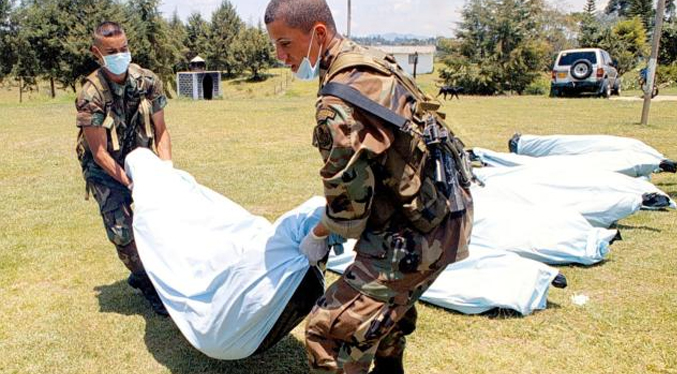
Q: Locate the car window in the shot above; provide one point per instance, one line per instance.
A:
(607, 58)
(568, 58)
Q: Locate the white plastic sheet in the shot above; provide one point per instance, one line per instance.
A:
(549, 234)
(630, 163)
(602, 197)
(224, 274)
(485, 280)
(538, 146)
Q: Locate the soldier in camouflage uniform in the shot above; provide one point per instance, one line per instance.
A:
(119, 108)
(380, 186)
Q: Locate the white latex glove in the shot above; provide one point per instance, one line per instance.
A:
(314, 247)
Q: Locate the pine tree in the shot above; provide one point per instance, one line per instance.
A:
(7, 34)
(224, 29)
(618, 7)
(197, 37)
(590, 7)
(152, 45)
(178, 34)
(256, 53)
(644, 10)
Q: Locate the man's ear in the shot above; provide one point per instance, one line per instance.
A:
(321, 33)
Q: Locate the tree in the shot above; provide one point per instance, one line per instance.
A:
(178, 34)
(197, 37)
(502, 46)
(590, 7)
(80, 17)
(626, 42)
(8, 32)
(153, 46)
(255, 51)
(668, 50)
(224, 29)
(618, 7)
(643, 9)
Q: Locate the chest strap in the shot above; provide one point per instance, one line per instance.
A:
(357, 99)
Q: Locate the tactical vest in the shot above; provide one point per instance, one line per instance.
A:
(424, 178)
(144, 136)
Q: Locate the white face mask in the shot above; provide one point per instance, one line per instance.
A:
(307, 72)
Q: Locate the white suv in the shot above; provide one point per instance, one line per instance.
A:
(585, 70)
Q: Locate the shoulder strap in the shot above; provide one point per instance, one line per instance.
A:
(99, 82)
(354, 97)
(379, 61)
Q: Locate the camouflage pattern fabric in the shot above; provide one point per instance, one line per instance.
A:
(379, 189)
(93, 107)
(116, 211)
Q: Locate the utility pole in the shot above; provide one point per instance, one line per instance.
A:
(349, 13)
(651, 69)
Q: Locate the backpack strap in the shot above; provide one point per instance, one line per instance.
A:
(145, 106)
(356, 98)
(97, 80)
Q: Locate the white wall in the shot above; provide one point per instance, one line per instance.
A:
(424, 66)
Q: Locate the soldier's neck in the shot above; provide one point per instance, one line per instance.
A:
(115, 78)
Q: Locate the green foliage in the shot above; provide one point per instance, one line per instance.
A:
(590, 7)
(178, 35)
(502, 47)
(255, 51)
(626, 42)
(666, 75)
(152, 43)
(197, 37)
(224, 29)
(668, 44)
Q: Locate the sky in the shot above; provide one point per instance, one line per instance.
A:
(428, 18)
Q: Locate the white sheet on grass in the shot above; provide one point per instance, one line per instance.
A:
(630, 163)
(224, 274)
(602, 197)
(485, 280)
(549, 234)
(538, 146)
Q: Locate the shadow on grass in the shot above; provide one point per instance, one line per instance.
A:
(165, 342)
(622, 227)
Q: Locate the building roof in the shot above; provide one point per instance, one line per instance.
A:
(406, 49)
(197, 59)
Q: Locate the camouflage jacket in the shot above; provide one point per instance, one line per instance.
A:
(375, 181)
(124, 110)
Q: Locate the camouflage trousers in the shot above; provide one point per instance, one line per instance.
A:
(116, 211)
(350, 325)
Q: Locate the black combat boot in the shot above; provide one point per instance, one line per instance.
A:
(142, 283)
(388, 365)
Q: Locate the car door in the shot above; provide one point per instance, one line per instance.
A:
(612, 73)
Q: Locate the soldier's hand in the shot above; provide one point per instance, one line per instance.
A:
(314, 247)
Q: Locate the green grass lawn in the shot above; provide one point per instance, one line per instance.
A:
(66, 308)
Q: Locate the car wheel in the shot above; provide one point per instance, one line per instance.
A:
(581, 69)
(606, 90)
(554, 92)
(617, 87)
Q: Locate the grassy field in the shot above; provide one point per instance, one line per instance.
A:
(67, 309)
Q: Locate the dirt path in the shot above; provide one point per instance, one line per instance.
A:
(637, 98)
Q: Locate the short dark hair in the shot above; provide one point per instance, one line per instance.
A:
(106, 29)
(300, 14)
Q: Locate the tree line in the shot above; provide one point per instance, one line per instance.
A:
(504, 46)
(50, 39)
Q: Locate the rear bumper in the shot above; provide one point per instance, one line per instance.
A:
(582, 86)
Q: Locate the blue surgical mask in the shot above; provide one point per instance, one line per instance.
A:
(117, 63)
(307, 72)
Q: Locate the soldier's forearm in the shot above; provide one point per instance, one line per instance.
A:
(164, 146)
(103, 159)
